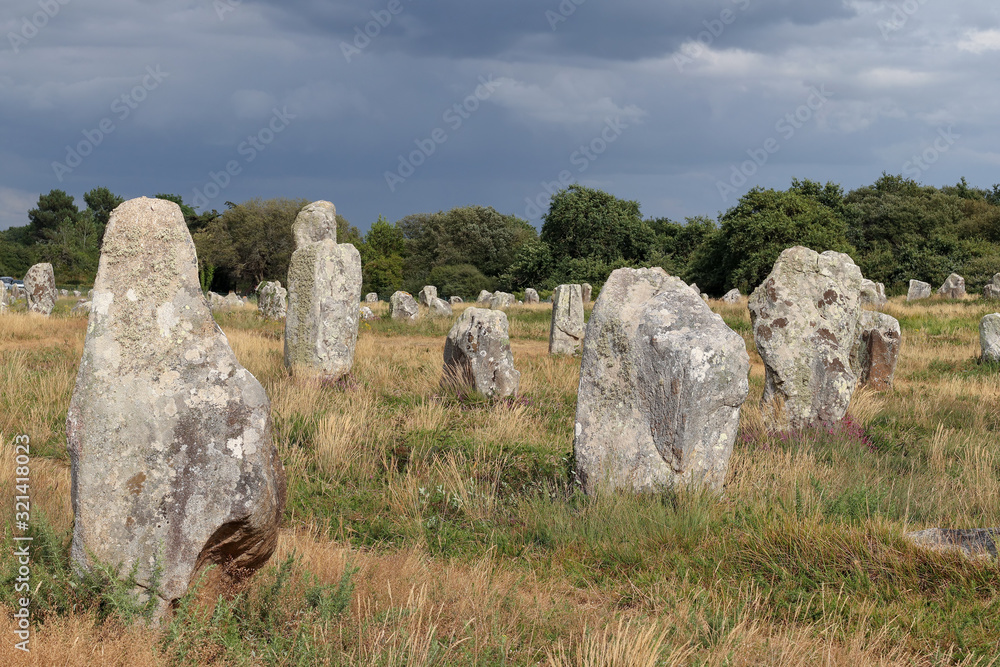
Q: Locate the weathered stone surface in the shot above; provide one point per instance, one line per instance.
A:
(272, 301)
(371, 297)
(40, 288)
(315, 222)
(501, 300)
(953, 287)
(3, 297)
(90, 294)
(662, 381)
(216, 301)
(876, 350)
(991, 290)
(732, 296)
(872, 293)
(989, 337)
(484, 297)
(805, 319)
(704, 297)
(566, 328)
(694, 288)
(455, 299)
(76, 293)
(438, 307)
(586, 291)
(63, 292)
(324, 289)
(82, 307)
(918, 290)
(530, 295)
(975, 543)
(426, 293)
(169, 437)
(233, 300)
(367, 314)
(477, 354)
(402, 306)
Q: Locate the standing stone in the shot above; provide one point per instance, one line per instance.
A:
(477, 354)
(530, 295)
(90, 294)
(439, 307)
(455, 299)
(82, 307)
(805, 320)
(989, 337)
(169, 437)
(63, 292)
(953, 287)
(402, 306)
(501, 300)
(876, 350)
(918, 290)
(76, 293)
(233, 301)
(426, 293)
(586, 291)
(367, 314)
(40, 288)
(217, 302)
(991, 290)
(662, 380)
(566, 329)
(371, 297)
(732, 296)
(324, 289)
(272, 301)
(3, 297)
(484, 297)
(694, 288)
(872, 293)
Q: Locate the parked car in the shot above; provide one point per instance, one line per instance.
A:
(6, 280)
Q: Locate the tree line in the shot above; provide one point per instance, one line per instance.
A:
(895, 229)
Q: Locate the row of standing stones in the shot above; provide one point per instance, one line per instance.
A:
(173, 465)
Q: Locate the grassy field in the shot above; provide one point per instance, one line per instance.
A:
(427, 527)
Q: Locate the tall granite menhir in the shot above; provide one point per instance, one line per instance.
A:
(169, 437)
(662, 381)
(805, 318)
(324, 289)
(40, 288)
(566, 328)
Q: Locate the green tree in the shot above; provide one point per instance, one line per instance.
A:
(586, 223)
(462, 280)
(53, 210)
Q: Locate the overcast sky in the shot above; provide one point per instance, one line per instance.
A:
(395, 107)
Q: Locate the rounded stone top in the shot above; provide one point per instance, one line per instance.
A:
(315, 222)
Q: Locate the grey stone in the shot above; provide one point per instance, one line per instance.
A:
(732, 296)
(662, 381)
(991, 290)
(973, 543)
(426, 293)
(3, 297)
(217, 302)
(477, 354)
(918, 290)
(501, 300)
(989, 337)
(953, 287)
(876, 350)
(704, 297)
(169, 437)
(63, 292)
(455, 299)
(90, 294)
(484, 297)
(76, 293)
(438, 307)
(272, 301)
(402, 306)
(872, 293)
(805, 319)
(371, 297)
(367, 314)
(82, 307)
(530, 295)
(40, 289)
(694, 288)
(324, 289)
(586, 291)
(315, 222)
(566, 328)
(233, 301)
